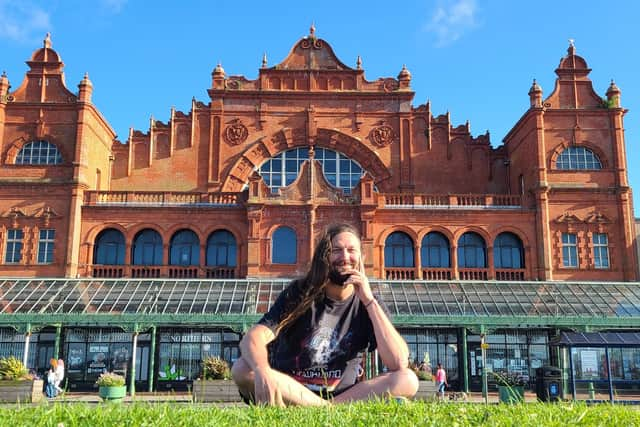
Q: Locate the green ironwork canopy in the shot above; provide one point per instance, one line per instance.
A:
(232, 302)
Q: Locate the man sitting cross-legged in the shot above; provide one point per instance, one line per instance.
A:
(307, 350)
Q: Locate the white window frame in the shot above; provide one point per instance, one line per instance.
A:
(601, 251)
(46, 245)
(14, 242)
(569, 250)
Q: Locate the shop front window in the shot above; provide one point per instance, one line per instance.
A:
(429, 347)
(512, 352)
(12, 344)
(181, 352)
(90, 352)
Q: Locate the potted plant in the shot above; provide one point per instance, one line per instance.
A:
(426, 384)
(215, 385)
(510, 386)
(112, 387)
(16, 384)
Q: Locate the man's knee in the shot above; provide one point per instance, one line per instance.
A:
(405, 382)
(241, 372)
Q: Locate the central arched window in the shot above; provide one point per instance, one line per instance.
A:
(339, 170)
(185, 248)
(109, 248)
(147, 248)
(577, 158)
(398, 250)
(39, 153)
(221, 249)
(472, 251)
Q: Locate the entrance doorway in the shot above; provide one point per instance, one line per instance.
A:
(143, 356)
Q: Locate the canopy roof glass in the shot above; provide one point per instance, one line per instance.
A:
(409, 302)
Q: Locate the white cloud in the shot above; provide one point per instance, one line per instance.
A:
(23, 21)
(451, 20)
(114, 6)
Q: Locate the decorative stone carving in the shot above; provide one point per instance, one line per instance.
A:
(382, 135)
(45, 214)
(236, 133)
(389, 85)
(568, 218)
(598, 218)
(311, 42)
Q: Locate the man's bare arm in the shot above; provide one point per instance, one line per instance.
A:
(253, 346)
(392, 348)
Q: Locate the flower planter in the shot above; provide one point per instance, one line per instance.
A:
(215, 391)
(426, 390)
(112, 393)
(21, 391)
(511, 394)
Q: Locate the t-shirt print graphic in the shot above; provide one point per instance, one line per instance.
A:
(324, 350)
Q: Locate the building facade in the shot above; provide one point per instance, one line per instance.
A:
(239, 188)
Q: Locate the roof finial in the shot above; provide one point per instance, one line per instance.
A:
(572, 47)
(47, 41)
(312, 30)
(264, 60)
(359, 63)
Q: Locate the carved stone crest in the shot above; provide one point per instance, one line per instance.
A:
(382, 135)
(389, 85)
(236, 133)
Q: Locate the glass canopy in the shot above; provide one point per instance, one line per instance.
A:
(441, 302)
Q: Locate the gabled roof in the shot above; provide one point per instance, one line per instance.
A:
(312, 53)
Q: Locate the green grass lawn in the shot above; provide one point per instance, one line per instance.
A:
(361, 414)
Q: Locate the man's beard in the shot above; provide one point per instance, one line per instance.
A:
(338, 278)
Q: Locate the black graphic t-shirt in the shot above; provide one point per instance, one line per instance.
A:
(324, 347)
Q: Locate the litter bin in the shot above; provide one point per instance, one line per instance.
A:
(548, 383)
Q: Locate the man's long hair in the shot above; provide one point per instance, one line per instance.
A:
(311, 287)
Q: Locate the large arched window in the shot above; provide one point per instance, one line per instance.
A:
(508, 251)
(39, 153)
(109, 248)
(435, 251)
(221, 249)
(472, 251)
(184, 248)
(577, 158)
(282, 169)
(284, 247)
(147, 248)
(398, 250)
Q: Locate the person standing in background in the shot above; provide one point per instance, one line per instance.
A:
(59, 375)
(441, 380)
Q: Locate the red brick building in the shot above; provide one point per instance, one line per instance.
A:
(426, 182)
(240, 186)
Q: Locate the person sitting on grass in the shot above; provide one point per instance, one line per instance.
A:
(308, 348)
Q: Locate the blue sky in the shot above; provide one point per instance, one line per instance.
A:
(473, 58)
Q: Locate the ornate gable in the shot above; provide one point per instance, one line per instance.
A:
(311, 53)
